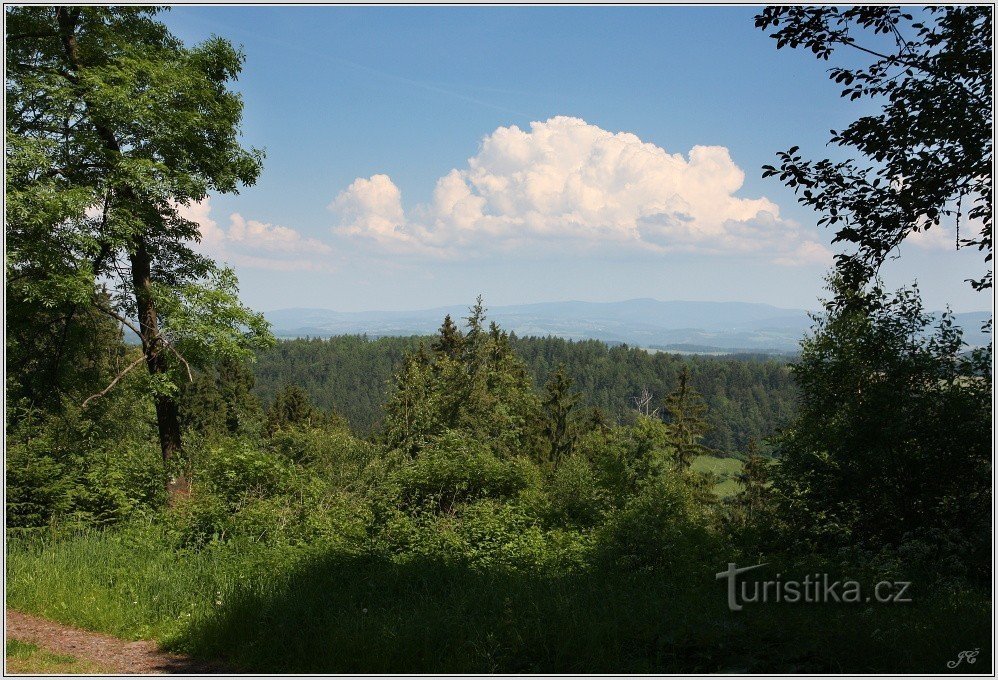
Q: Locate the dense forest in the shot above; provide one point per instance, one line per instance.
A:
(748, 397)
(472, 502)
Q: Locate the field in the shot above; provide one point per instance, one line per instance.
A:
(725, 469)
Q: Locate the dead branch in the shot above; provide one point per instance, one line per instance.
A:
(114, 382)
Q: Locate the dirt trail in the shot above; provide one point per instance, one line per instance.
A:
(114, 654)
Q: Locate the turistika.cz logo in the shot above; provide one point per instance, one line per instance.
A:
(814, 588)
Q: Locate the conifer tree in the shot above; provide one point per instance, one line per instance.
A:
(292, 407)
(448, 341)
(687, 412)
(559, 405)
(754, 478)
(485, 391)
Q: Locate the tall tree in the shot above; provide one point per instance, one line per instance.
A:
(754, 478)
(485, 391)
(927, 155)
(449, 340)
(292, 407)
(687, 412)
(559, 404)
(112, 125)
(893, 437)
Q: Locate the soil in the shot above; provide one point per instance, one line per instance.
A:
(114, 654)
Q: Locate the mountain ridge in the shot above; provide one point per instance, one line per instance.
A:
(644, 322)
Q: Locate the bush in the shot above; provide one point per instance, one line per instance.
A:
(575, 495)
(457, 469)
(61, 471)
(663, 526)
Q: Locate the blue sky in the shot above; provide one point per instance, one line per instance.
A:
(369, 117)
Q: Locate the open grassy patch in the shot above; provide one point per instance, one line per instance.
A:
(726, 470)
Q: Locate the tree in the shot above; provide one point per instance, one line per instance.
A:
(112, 125)
(220, 401)
(559, 404)
(449, 340)
(892, 442)
(927, 154)
(754, 495)
(687, 423)
(292, 407)
(485, 392)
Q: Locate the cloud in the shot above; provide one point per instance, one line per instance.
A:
(937, 237)
(567, 186)
(254, 244)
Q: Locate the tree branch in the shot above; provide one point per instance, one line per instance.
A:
(114, 382)
(190, 375)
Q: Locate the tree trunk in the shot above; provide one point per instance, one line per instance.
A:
(154, 348)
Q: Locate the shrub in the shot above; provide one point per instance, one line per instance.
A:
(457, 469)
(662, 526)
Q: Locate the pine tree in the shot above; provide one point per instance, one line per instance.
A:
(754, 478)
(292, 407)
(687, 421)
(486, 392)
(559, 426)
(449, 340)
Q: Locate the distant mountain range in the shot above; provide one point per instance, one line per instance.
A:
(697, 327)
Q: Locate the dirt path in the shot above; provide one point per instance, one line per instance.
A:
(118, 656)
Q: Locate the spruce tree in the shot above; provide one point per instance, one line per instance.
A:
(449, 340)
(687, 412)
(754, 478)
(559, 423)
(292, 407)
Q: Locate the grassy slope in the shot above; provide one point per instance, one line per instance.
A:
(295, 610)
(726, 469)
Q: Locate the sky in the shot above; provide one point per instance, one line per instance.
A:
(419, 156)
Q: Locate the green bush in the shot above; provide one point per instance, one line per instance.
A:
(64, 471)
(456, 469)
(663, 526)
(575, 495)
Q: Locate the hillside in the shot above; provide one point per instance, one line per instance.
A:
(748, 397)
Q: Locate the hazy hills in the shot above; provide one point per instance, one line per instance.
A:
(675, 325)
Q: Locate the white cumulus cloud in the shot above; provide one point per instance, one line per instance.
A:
(252, 243)
(567, 185)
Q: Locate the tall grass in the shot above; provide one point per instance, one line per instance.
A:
(308, 609)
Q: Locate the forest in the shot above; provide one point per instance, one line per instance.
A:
(472, 501)
(748, 396)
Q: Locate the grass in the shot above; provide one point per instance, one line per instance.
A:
(278, 609)
(726, 470)
(24, 658)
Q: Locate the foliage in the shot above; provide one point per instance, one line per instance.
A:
(220, 401)
(686, 416)
(66, 471)
(893, 438)
(293, 408)
(112, 125)
(473, 383)
(928, 149)
(747, 397)
(560, 420)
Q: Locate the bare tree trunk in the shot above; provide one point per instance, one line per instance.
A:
(154, 348)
